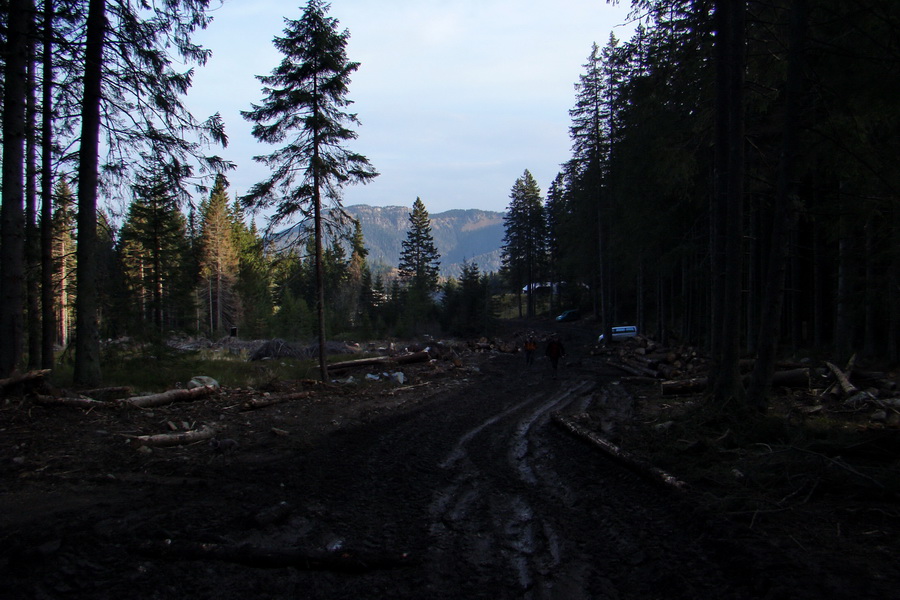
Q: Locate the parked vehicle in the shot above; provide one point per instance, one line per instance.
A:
(620, 333)
(569, 315)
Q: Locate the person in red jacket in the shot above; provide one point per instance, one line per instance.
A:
(555, 350)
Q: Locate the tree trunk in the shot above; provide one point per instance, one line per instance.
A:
(87, 329)
(728, 199)
(48, 314)
(12, 216)
(894, 289)
(32, 235)
(783, 219)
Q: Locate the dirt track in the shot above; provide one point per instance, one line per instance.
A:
(462, 487)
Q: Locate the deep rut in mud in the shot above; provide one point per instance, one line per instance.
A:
(466, 491)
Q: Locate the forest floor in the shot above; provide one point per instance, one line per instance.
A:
(456, 483)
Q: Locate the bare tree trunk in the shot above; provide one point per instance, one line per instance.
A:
(12, 216)
(729, 198)
(784, 219)
(893, 335)
(87, 327)
(32, 235)
(48, 314)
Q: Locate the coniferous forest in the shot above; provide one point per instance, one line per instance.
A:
(731, 184)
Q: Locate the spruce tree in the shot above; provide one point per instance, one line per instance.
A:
(305, 105)
(525, 240)
(419, 259)
(218, 261)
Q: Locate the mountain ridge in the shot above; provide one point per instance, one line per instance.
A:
(460, 234)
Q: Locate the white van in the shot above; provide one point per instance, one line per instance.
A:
(620, 333)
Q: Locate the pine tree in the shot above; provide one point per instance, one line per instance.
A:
(63, 227)
(130, 90)
(419, 259)
(219, 261)
(306, 98)
(12, 215)
(525, 240)
(154, 249)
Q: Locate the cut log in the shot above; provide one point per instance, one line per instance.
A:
(848, 388)
(683, 386)
(23, 377)
(257, 403)
(169, 397)
(273, 558)
(403, 359)
(793, 378)
(107, 393)
(162, 440)
(81, 402)
(631, 461)
(635, 368)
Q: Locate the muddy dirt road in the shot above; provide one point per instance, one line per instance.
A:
(460, 488)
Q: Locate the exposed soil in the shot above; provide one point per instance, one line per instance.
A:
(457, 483)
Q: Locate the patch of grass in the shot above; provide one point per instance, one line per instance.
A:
(150, 370)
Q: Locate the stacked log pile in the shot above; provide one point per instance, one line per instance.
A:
(684, 370)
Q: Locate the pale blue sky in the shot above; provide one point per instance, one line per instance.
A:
(456, 97)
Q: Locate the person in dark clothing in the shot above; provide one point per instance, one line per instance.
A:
(529, 347)
(555, 350)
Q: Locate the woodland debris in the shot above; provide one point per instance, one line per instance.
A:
(17, 378)
(257, 403)
(277, 349)
(631, 461)
(108, 393)
(169, 397)
(273, 558)
(414, 357)
(848, 388)
(794, 378)
(162, 440)
(79, 402)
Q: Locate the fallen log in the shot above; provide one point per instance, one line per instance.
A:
(80, 402)
(108, 393)
(848, 388)
(273, 558)
(169, 397)
(795, 378)
(23, 377)
(635, 368)
(403, 359)
(257, 403)
(675, 387)
(631, 461)
(163, 440)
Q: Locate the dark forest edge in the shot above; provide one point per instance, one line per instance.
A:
(730, 186)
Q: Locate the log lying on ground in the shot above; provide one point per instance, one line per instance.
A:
(274, 558)
(80, 402)
(169, 397)
(23, 377)
(256, 403)
(631, 461)
(107, 393)
(848, 388)
(403, 359)
(162, 440)
(794, 378)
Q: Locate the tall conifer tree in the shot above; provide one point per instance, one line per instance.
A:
(305, 105)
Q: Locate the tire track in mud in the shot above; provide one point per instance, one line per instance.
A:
(492, 515)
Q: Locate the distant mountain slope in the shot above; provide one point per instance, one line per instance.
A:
(461, 234)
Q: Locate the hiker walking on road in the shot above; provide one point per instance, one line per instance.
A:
(529, 347)
(554, 351)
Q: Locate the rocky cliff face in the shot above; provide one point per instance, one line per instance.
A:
(459, 235)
